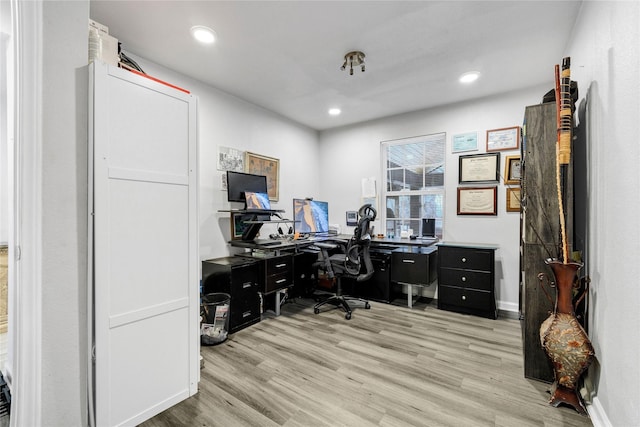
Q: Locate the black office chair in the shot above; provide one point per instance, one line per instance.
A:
(349, 263)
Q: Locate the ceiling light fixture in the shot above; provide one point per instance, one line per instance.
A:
(469, 77)
(351, 59)
(203, 34)
(334, 111)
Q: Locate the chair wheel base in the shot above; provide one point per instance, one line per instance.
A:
(340, 301)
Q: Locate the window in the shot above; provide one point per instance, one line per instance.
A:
(414, 183)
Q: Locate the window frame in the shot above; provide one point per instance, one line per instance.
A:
(425, 190)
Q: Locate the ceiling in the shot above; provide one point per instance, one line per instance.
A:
(286, 56)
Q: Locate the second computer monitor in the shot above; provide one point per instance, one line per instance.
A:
(310, 216)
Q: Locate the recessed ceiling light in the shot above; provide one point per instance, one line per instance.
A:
(334, 111)
(203, 34)
(469, 77)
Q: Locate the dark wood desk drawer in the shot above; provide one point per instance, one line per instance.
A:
(278, 273)
(278, 265)
(466, 258)
(409, 268)
(244, 313)
(461, 298)
(242, 289)
(414, 265)
(278, 281)
(467, 279)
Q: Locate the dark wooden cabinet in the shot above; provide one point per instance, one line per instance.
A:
(240, 278)
(539, 230)
(378, 287)
(304, 274)
(466, 279)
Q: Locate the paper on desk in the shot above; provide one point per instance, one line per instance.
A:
(369, 187)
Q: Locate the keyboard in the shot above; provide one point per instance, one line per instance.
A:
(268, 243)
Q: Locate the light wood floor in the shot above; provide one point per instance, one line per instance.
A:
(388, 366)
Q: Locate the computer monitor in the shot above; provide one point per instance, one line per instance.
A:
(428, 227)
(257, 200)
(310, 216)
(239, 182)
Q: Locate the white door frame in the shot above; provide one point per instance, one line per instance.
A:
(24, 365)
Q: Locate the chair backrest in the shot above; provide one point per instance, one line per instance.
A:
(362, 239)
(366, 214)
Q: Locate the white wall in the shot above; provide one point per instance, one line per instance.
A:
(227, 121)
(355, 152)
(64, 213)
(604, 52)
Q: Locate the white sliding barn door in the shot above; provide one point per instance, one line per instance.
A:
(145, 293)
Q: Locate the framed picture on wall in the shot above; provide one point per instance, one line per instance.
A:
(503, 139)
(477, 200)
(512, 170)
(513, 199)
(476, 168)
(238, 224)
(267, 166)
(464, 142)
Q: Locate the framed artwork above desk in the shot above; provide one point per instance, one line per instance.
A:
(268, 166)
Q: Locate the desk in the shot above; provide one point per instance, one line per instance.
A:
(399, 242)
(285, 244)
(421, 273)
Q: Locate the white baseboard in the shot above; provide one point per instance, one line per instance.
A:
(598, 415)
(509, 309)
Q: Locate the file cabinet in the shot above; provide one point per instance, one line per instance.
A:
(466, 279)
(240, 278)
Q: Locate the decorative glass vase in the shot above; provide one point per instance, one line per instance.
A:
(563, 338)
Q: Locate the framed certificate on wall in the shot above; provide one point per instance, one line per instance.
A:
(478, 168)
(503, 139)
(477, 200)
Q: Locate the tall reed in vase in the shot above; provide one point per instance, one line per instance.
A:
(565, 342)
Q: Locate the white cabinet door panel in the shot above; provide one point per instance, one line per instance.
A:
(144, 293)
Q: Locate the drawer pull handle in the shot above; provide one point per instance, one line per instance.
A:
(464, 297)
(246, 285)
(464, 279)
(409, 261)
(281, 265)
(464, 260)
(281, 280)
(246, 314)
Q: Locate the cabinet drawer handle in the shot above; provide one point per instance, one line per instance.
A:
(464, 297)
(246, 314)
(281, 280)
(281, 265)
(464, 260)
(464, 279)
(409, 261)
(246, 285)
